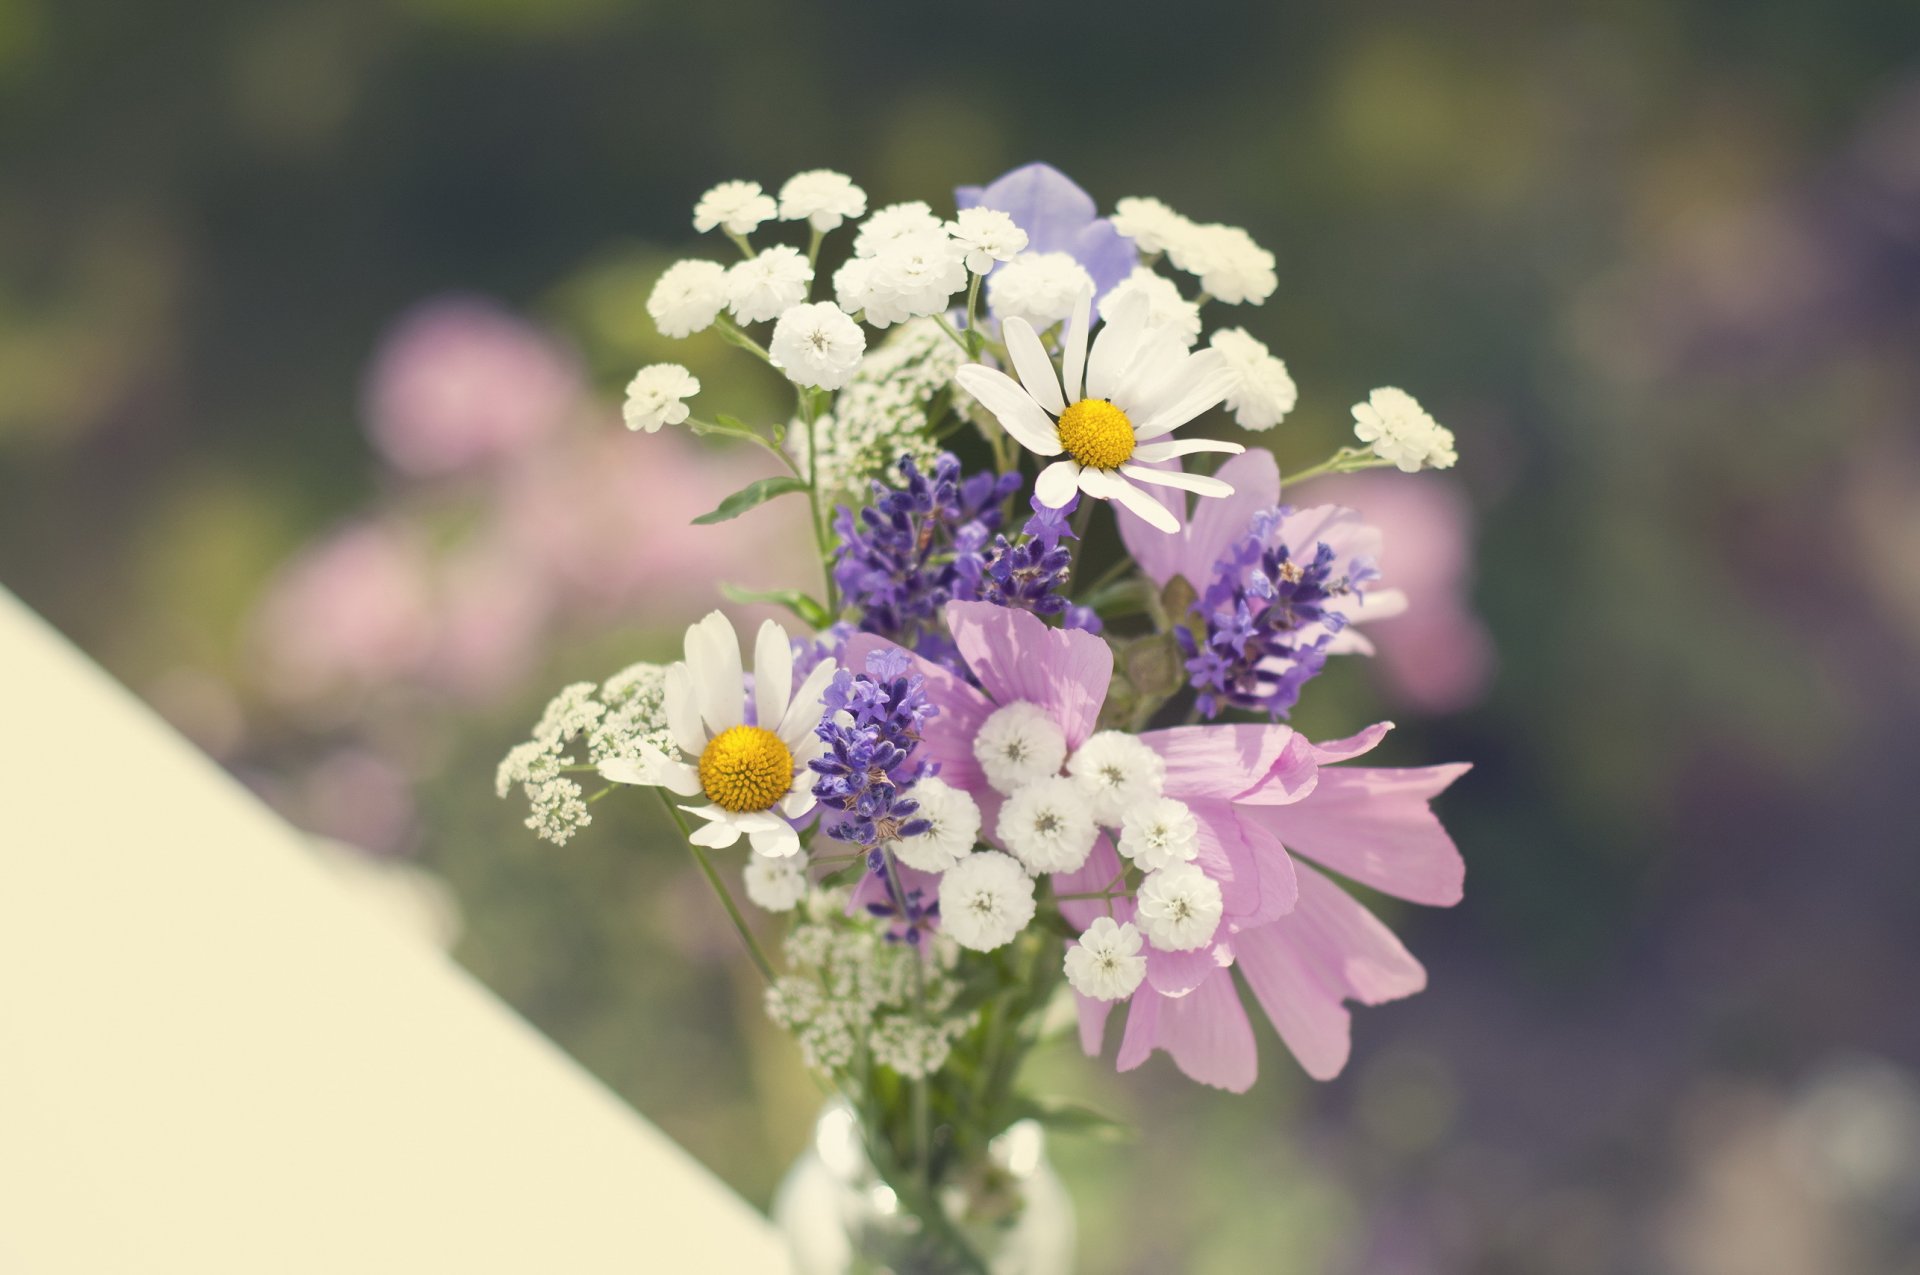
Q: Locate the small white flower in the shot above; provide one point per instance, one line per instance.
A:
(817, 345)
(687, 297)
(988, 235)
(737, 207)
(1117, 772)
(1230, 265)
(1159, 833)
(1019, 743)
(1106, 964)
(912, 275)
(775, 884)
(655, 397)
(954, 827)
(877, 231)
(1263, 392)
(1165, 306)
(1048, 825)
(1149, 223)
(1141, 385)
(1039, 287)
(1402, 433)
(985, 900)
(756, 779)
(759, 288)
(822, 198)
(1179, 907)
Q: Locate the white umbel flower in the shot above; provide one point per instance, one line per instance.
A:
(1017, 744)
(656, 396)
(817, 345)
(1048, 825)
(1141, 384)
(688, 297)
(736, 207)
(891, 222)
(953, 827)
(1040, 288)
(989, 236)
(1149, 223)
(1230, 265)
(985, 900)
(1117, 772)
(1179, 907)
(762, 287)
(1402, 433)
(913, 275)
(1263, 392)
(754, 778)
(1159, 833)
(1107, 963)
(1165, 306)
(776, 884)
(822, 198)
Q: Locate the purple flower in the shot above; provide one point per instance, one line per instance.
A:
(1058, 216)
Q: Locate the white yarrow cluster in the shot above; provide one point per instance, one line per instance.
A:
(892, 222)
(908, 276)
(953, 827)
(1151, 225)
(1106, 963)
(615, 721)
(988, 237)
(1048, 824)
(985, 900)
(688, 297)
(1166, 308)
(736, 207)
(657, 396)
(1402, 433)
(881, 413)
(1159, 833)
(1263, 392)
(1117, 772)
(763, 286)
(1041, 287)
(1231, 267)
(817, 345)
(1179, 906)
(1018, 744)
(822, 198)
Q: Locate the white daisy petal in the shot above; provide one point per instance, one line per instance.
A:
(1056, 484)
(719, 684)
(775, 843)
(1074, 349)
(803, 714)
(683, 710)
(1199, 484)
(772, 674)
(1107, 485)
(717, 835)
(1121, 332)
(1176, 447)
(800, 800)
(1203, 382)
(1013, 407)
(1031, 362)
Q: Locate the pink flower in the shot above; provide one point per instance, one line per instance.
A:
(1255, 793)
(355, 608)
(459, 381)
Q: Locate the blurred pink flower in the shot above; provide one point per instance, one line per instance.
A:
(494, 610)
(459, 381)
(351, 609)
(1435, 656)
(359, 797)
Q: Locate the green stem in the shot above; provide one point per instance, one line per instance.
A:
(974, 340)
(1348, 460)
(808, 413)
(719, 887)
(813, 255)
(740, 242)
(946, 325)
(735, 334)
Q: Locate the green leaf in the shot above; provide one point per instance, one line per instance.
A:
(1071, 1117)
(747, 497)
(808, 609)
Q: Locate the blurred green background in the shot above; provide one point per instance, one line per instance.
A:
(1656, 263)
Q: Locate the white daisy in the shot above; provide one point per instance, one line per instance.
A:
(688, 297)
(1040, 288)
(953, 827)
(1048, 825)
(655, 397)
(1179, 907)
(985, 900)
(989, 236)
(776, 884)
(822, 198)
(1165, 306)
(1017, 744)
(1263, 392)
(817, 345)
(1106, 964)
(1140, 385)
(737, 207)
(1158, 833)
(755, 778)
(1117, 772)
(759, 288)
(1401, 431)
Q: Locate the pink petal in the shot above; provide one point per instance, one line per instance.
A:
(1205, 1031)
(1257, 762)
(1273, 871)
(1216, 524)
(1178, 973)
(1093, 1022)
(1374, 825)
(1017, 656)
(1336, 750)
(1225, 855)
(1305, 965)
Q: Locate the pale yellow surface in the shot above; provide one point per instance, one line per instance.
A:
(212, 1062)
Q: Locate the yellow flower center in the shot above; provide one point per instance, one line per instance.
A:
(746, 768)
(1097, 434)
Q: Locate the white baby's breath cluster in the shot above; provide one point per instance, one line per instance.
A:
(583, 726)
(1401, 433)
(848, 989)
(881, 414)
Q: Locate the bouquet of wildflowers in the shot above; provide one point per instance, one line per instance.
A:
(990, 788)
